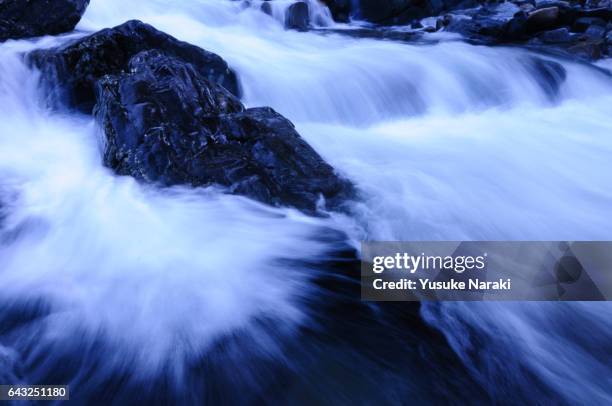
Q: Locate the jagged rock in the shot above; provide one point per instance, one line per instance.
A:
(70, 72)
(33, 18)
(297, 17)
(166, 123)
(266, 8)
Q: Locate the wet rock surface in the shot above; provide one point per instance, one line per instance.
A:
(297, 16)
(33, 18)
(168, 119)
(71, 72)
(166, 123)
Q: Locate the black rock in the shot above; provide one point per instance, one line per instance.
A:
(298, 16)
(542, 19)
(266, 8)
(71, 72)
(393, 12)
(166, 123)
(33, 18)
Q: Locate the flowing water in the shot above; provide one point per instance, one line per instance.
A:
(104, 279)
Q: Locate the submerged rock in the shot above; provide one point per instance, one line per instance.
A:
(266, 8)
(166, 123)
(550, 75)
(33, 18)
(70, 72)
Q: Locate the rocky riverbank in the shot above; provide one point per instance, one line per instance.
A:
(580, 29)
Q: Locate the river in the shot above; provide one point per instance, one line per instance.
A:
(114, 280)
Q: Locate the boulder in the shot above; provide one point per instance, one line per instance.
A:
(70, 73)
(542, 19)
(297, 16)
(33, 18)
(165, 122)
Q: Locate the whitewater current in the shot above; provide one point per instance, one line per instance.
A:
(445, 141)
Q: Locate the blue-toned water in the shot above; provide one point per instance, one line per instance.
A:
(108, 283)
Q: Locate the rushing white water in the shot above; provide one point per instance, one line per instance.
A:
(139, 266)
(446, 141)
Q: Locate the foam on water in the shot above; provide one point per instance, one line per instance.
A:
(446, 141)
(160, 274)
